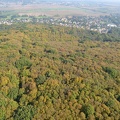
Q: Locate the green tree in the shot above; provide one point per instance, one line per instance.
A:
(23, 62)
(13, 92)
(88, 109)
(24, 113)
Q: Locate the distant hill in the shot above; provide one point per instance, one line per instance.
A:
(16, 1)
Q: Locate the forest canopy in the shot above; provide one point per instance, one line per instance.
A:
(58, 73)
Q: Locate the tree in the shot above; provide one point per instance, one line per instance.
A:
(13, 92)
(23, 62)
(40, 80)
(88, 109)
(24, 113)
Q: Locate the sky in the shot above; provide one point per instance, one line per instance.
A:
(70, 0)
(96, 0)
(105, 0)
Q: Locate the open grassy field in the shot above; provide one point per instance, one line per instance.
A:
(60, 10)
(52, 10)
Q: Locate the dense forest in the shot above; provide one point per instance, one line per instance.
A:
(59, 73)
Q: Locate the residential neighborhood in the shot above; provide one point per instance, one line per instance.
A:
(101, 24)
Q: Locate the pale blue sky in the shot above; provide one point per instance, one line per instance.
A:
(105, 0)
(98, 0)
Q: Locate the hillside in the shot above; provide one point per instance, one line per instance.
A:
(58, 73)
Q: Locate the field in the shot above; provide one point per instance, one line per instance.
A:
(61, 10)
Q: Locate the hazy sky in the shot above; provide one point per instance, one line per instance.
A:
(71, 0)
(92, 0)
(105, 0)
